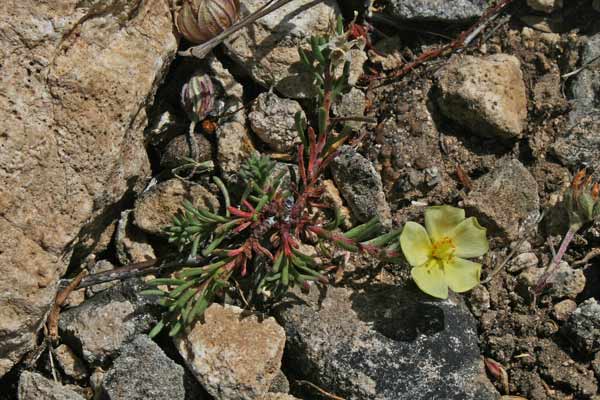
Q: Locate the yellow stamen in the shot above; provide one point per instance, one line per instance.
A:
(443, 249)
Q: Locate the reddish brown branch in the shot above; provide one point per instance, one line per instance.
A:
(320, 390)
(458, 43)
(59, 300)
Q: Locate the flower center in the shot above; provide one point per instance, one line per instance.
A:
(443, 249)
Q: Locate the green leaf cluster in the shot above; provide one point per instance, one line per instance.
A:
(322, 61)
(258, 235)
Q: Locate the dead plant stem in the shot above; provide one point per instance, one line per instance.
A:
(460, 42)
(203, 49)
(550, 271)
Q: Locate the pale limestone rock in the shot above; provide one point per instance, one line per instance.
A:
(522, 261)
(332, 197)
(234, 354)
(234, 143)
(504, 200)
(268, 49)
(70, 363)
(131, 243)
(75, 83)
(223, 77)
(273, 120)
(351, 104)
(565, 282)
(485, 94)
(563, 309)
(547, 6)
(154, 209)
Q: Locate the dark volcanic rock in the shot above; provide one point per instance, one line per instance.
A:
(581, 144)
(436, 10)
(143, 371)
(586, 85)
(360, 185)
(34, 386)
(583, 328)
(98, 327)
(179, 148)
(385, 343)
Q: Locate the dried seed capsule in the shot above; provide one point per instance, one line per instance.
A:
(201, 20)
(581, 200)
(198, 97)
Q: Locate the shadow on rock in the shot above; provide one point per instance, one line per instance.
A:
(383, 342)
(399, 313)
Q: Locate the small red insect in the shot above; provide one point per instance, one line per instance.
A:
(209, 126)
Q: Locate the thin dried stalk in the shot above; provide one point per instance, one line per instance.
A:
(137, 269)
(462, 41)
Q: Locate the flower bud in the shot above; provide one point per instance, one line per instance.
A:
(201, 20)
(197, 97)
(582, 200)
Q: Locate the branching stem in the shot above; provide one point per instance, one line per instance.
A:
(552, 268)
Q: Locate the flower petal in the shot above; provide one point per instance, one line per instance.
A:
(462, 275)
(469, 239)
(429, 278)
(440, 220)
(415, 244)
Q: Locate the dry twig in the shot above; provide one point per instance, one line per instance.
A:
(578, 70)
(203, 49)
(137, 269)
(463, 40)
(59, 300)
(322, 391)
(591, 254)
(513, 251)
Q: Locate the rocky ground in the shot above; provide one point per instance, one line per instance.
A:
(498, 128)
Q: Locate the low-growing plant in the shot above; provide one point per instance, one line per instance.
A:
(274, 215)
(582, 203)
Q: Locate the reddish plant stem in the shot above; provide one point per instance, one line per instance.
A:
(551, 270)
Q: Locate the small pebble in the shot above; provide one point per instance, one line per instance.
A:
(479, 300)
(70, 363)
(547, 6)
(563, 310)
(523, 261)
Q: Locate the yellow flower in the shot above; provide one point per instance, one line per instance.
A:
(436, 252)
